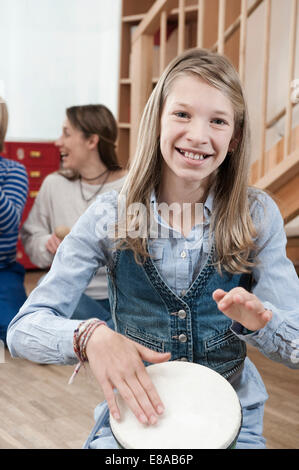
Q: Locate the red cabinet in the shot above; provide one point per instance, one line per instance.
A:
(40, 159)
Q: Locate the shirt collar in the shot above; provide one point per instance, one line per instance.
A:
(208, 205)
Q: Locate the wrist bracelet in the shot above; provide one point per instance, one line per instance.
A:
(81, 337)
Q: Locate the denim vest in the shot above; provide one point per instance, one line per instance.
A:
(191, 327)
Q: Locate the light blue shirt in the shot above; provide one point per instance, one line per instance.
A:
(43, 332)
(179, 259)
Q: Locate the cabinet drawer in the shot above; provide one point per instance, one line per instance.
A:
(35, 155)
(37, 175)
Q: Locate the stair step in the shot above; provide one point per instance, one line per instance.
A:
(282, 182)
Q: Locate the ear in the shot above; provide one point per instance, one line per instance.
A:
(93, 141)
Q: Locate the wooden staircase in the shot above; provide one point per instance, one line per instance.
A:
(293, 251)
(282, 178)
(282, 182)
(219, 25)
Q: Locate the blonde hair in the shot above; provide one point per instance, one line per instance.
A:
(231, 222)
(3, 122)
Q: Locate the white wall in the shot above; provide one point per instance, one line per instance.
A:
(55, 54)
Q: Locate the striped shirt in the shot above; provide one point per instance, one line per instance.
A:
(13, 195)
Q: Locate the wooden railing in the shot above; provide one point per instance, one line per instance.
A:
(230, 24)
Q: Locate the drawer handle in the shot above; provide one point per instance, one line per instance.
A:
(35, 154)
(20, 154)
(34, 174)
(33, 194)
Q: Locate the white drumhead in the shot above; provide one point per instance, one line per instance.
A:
(202, 411)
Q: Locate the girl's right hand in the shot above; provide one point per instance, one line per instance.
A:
(116, 362)
(53, 244)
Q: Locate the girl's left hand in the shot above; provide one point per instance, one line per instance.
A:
(243, 307)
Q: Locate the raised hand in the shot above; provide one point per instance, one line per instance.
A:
(242, 306)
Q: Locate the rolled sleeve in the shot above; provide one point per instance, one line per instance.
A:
(276, 285)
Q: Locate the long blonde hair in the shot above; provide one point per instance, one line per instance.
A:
(231, 222)
(3, 122)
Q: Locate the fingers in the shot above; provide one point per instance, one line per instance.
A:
(254, 305)
(53, 244)
(152, 356)
(138, 392)
(121, 367)
(240, 305)
(267, 315)
(139, 399)
(218, 294)
(151, 391)
(110, 398)
(238, 296)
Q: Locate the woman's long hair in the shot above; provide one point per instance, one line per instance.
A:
(231, 222)
(95, 119)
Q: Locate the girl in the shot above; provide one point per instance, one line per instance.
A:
(13, 195)
(89, 167)
(193, 294)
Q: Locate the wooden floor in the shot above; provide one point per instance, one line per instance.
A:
(39, 410)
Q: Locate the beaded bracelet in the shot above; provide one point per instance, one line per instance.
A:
(81, 337)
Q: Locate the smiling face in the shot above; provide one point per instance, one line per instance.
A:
(73, 147)
(197, 127)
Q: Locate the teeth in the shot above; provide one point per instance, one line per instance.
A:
(193, 156)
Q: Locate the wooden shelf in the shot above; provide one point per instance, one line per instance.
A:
(125, 81)
(132, 18)
(124, 125)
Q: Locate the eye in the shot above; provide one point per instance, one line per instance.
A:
(219, 121)
(182, 114)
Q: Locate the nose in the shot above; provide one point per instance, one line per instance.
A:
(198, 132)
(58, 142)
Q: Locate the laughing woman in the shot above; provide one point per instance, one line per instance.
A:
(89, 168)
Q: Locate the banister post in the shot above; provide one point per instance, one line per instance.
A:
(141, 76)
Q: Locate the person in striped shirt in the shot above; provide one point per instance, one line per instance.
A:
(13, 195)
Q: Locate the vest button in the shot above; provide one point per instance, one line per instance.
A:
(182, 314)
(182, 338)
(183, 254)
